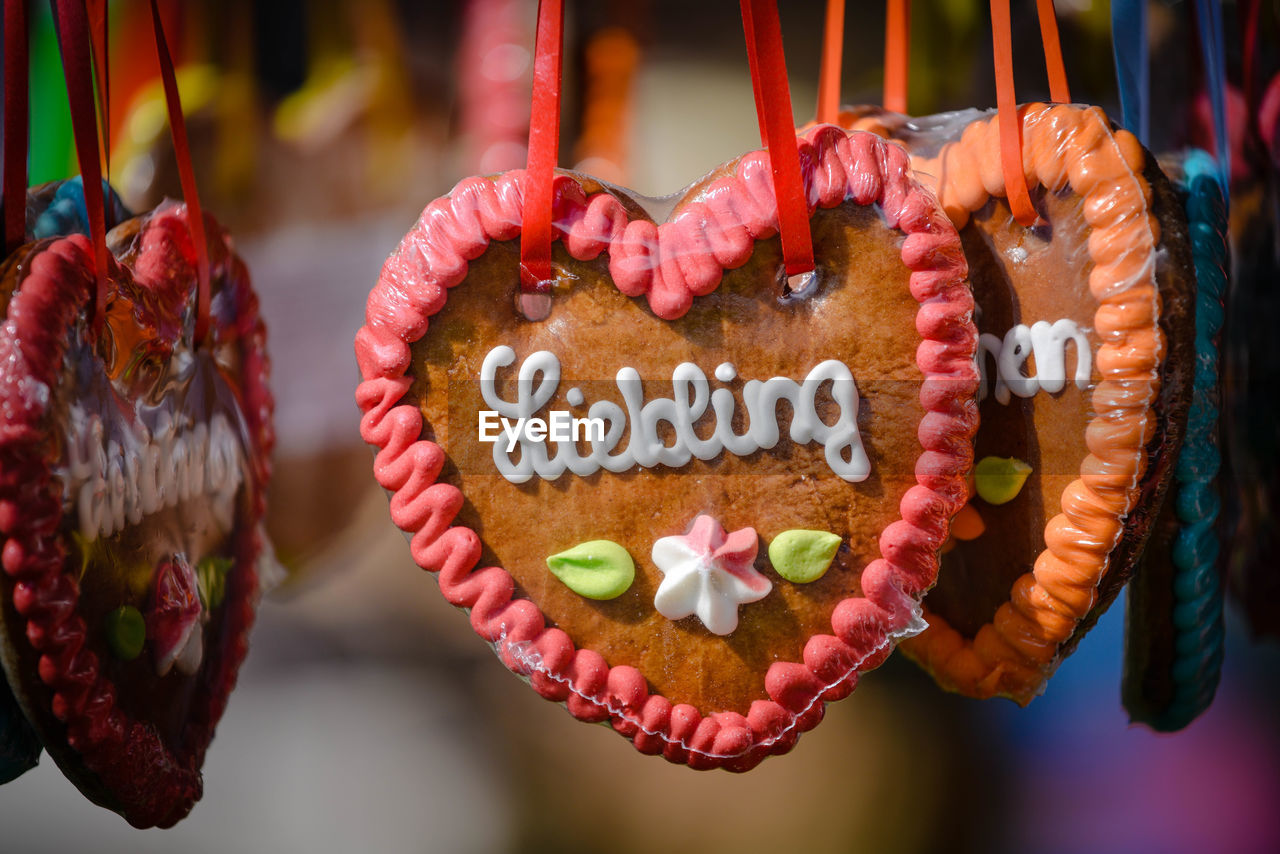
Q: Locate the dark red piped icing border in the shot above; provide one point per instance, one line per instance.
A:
(670, 264)
(149, 784)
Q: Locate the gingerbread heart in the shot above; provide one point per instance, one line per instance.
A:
(1086, 353)
(134, 466)
(708, 567)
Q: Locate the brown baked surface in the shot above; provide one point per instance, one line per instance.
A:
(861, 312)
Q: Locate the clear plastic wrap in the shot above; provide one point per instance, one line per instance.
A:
(766, 464)
(135, 465)
(1086, 354)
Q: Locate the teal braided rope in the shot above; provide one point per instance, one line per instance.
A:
(1197, 585)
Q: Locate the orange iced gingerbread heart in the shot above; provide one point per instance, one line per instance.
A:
(773, 465)
(1086, 351)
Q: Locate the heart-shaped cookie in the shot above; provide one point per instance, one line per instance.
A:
(134, 466)
(1086, 354)
(711, 566)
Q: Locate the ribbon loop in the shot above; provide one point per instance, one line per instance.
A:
(1015, 179)
(829, 71)
(768, 63)
(897, 59)
(186, 172)
(16, 123)
(73, 37)
(897, 54)
(544, 147)
(98, 35)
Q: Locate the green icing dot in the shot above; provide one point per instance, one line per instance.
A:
(802, 556)
(599, 569)
(998, 480)
(126, 632)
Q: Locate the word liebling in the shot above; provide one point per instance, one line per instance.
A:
(538, 380)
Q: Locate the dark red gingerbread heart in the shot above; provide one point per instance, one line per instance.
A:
(134, 468)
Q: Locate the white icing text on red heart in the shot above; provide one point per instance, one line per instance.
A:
(538, 380)
(118, 479)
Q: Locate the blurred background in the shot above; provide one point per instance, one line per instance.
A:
(368, 717)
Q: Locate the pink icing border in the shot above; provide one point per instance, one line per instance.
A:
(670, 264)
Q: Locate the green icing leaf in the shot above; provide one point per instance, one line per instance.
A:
(126, 632)
(802, 556)
(998, 480)
(211, 578)
(599, 569)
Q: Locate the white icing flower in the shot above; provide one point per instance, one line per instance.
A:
(708, 573)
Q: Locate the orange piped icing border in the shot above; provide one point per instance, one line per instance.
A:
(1065, 148)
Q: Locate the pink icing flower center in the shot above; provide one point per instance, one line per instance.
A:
(175, 611)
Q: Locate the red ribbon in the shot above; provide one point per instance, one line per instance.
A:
(16, 123)
(897, 59)
(544, 149)
(753, 64)
(829, 70)
(186, 173)
(73, 35)
(773, 104)
(897, 54)
(102, 71)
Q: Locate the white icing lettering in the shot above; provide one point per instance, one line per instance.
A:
(119, 481)
(538, 378)
(1044, 342)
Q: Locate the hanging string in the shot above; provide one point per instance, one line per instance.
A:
(1010, 122)
(73, 37)
(1133, 68)
(16, 123)
(897, 54)
(186, 173)
(768, 63)
(748, 28)
(1058, 91)
(544, 148)
(829, 70)
(897, 59)
(1209, 17)
(102, 72)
